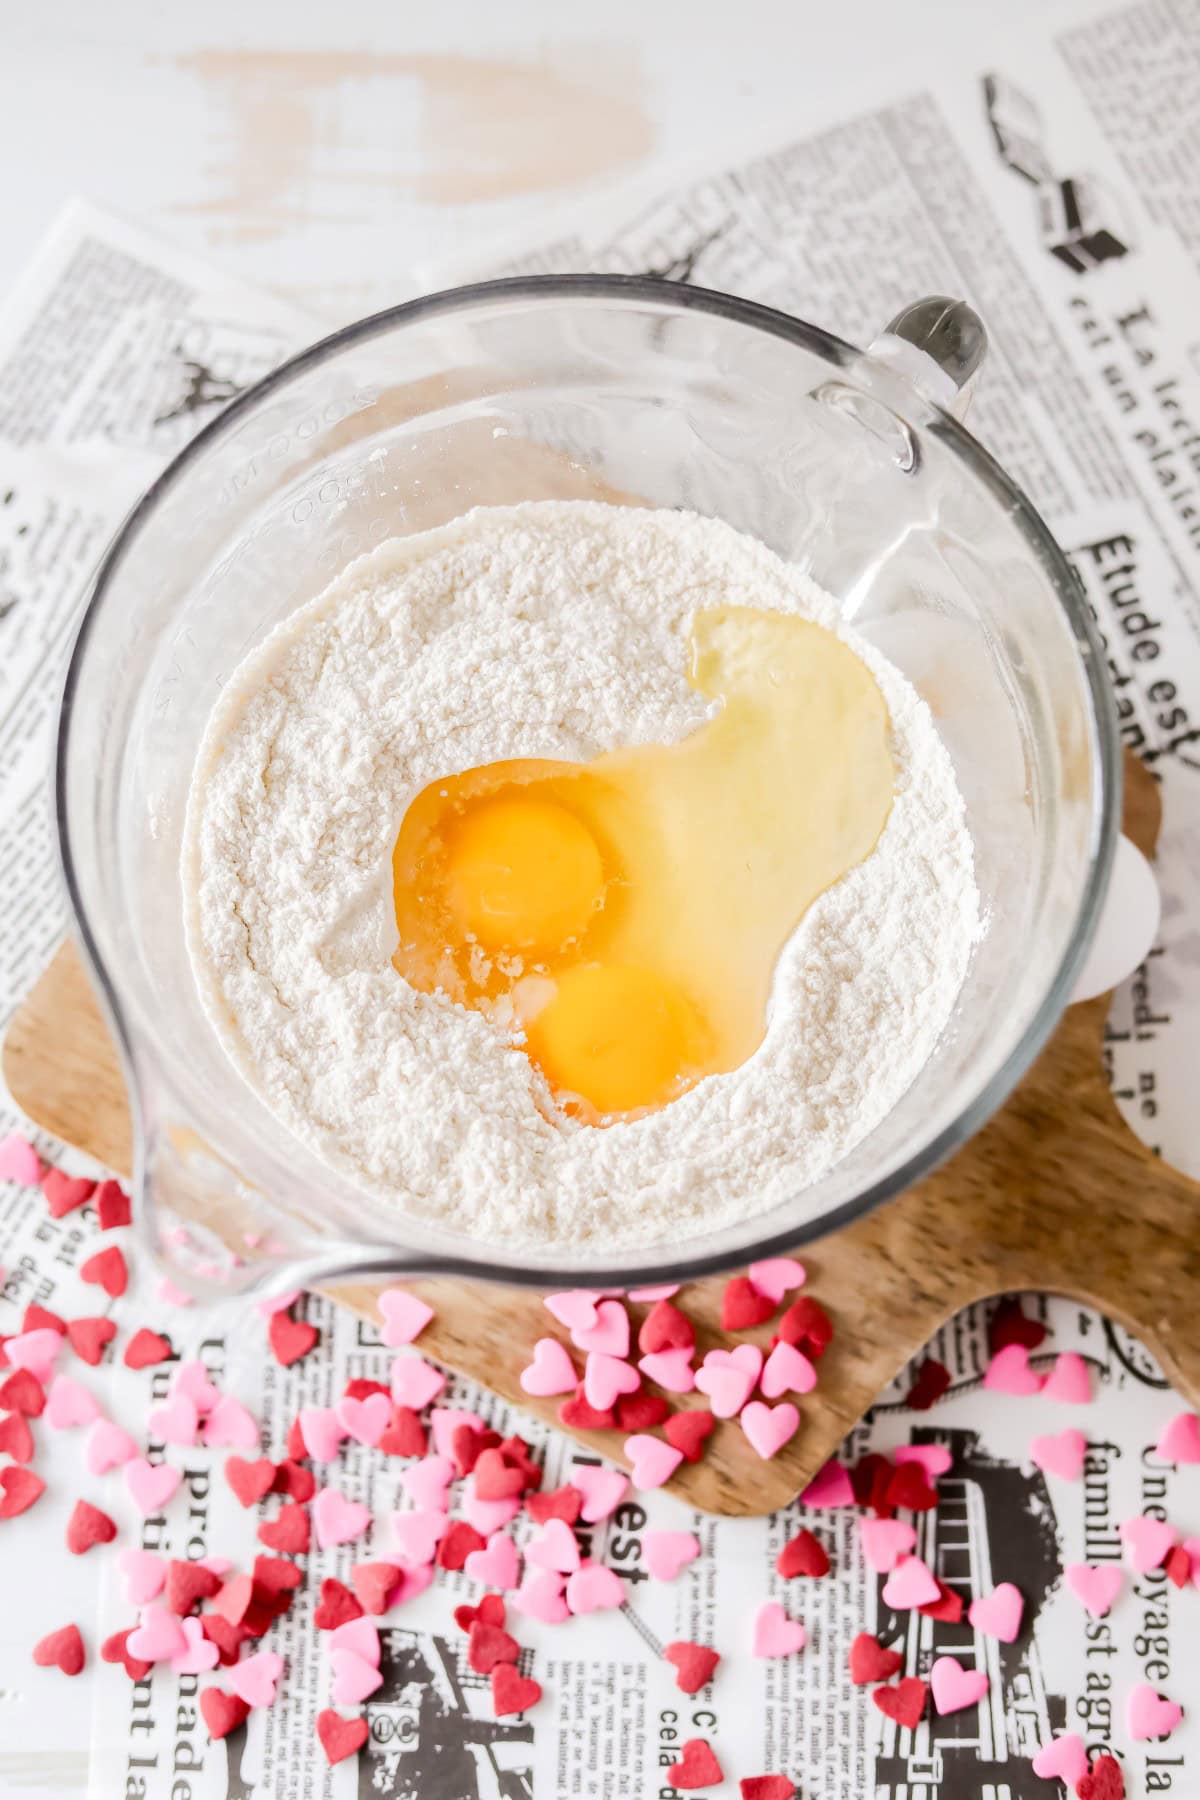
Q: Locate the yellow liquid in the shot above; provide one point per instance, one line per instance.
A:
(627, 913)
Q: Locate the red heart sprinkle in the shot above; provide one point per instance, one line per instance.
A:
(947, 1608)
(233, 1601)
(933, 1378)
(287, 1532)
(457, 1545)
(869, 1661)
(337, 1606)
(1178, 1566)
(490, 1611)
(40, 1318)
(404, 1434)
(228, 1638)
(276, 1575)
(518, 1455)
(113, 1650)
(188, 1582)
(250, 1481)
(665, 1328)
(222, 1712)
(263, 1611)
(107, 1269)
(16, 1439)
(638, 1412)
(488, 1645)
(294, 1480)
(362, 1389)
(579, 1416)
(697, 1767)
(290, 1339)
(374, 1584)
(694, 1664)
(87, 1526)
(146, 1347)
(295, 1446)
(909, 1488)
(903, 1703)
(807, 1326)
(112, 1206)
(766, 1787)
(21, 1488)
(1104, 1782)
(802, 1555)
(88, 1337)
(511, 1692)
(61, 1649)
(467, 1444)
(687, 1431)
(742, 1306)
(65, 1192)
(563, 1503)
(1008, 1325)
(494, 1480)
(340, 1737)
(22, 1392)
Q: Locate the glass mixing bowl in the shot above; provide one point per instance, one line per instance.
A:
(615, 388)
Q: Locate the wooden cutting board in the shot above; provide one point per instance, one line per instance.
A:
(1055, 1194)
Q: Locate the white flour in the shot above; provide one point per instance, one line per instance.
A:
(553, 629)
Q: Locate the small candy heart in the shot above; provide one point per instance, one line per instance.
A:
(188, 1582)
(540, 1597)
(113, 1206)
(19, 1161)
(697, 1767)
(200, 1654)
(231, 1425)
(223, 1712)
(777, 1276)
(671, 1369)
(417, 1535)
(1179, 1442)
(22, 1392)
(694, 1664)
(575, 1309)
(61, 1649)
(144, 1575)
(932, 1381)
(427, 1483)
(665, 1553)
(743, 1306)
(338, 1520)
(191, 1378)
(405, 1434)
(594, 1588)
(113, 1650)
(885, 1541)
(807, 1326)
(444, 1421)
(609, 1336)
(146, 1348)
(1097, 1586)
(652, 1461)
(234, 1599)
(769, 1428)
(576, 1415)
(158, 1635)
(869, 1661)
(602, 1490)
(107, 1269)
(87, 1337)
(21, 1489)
(554, 1548)
(1148, 1715)
(415, 1382)
(494, 1479)
(1009, 1372)
(787, 1371)
(1009, 1325)
(377, 1585)
(35, 1351)
(251, 1482)
(829, 1487)
(87, 1526)
(365, 1420)
(728, 1378)
(337, 1605)
(933, 1459)
(802, 1555)
(1146, 1542)
(766, 1787)
(1104, 1781)
(1061, 1453)
(998, 1614)
(955, 1687)
(1069, 1381)
(490, 1611)
(177, 1422)
(774, 1633)
(460, 1539)
(108, 1446)
(551, 1371)
(359, 1635)
(353, 1678)
(496, 1566)
(605, 1377)
(641, 1412)
(16, 1439)
(688, 1430)
(911, 1583)
(150, 1485)
(254, 1678)
(322, 1432)
(68, 1404)
(1063, 1758)
(288, 1532)
(512, 1692)
(290, 1339)
(904, 1703)
(488, 1645)
(340, 1738)
(665, 1327)
(404, 1316)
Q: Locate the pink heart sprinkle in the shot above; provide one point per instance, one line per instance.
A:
(554, 1548)
(1146, 1542)
(150, 1485)
(935, 1459)
(157, 1636)
(602, 1490)
(774, 1633)
(652, 1461)
(1069, 1380)
(359, 1635)
(593, 1588)
(1009, 1372)
(609, 1336)
(177, 1422)
(665, 1553)
(910, 1584)
(35, 1351)
(829, 1487)
(69, 1403)
(413, 1582)
(427, 1481)
(253, 1679)
(19, 1161)
(336, 1519)
(220, 1565)
(144, 1575)
(787, 1371)
(1148, 1715)
(171, 1294)
(777, 1276)
(321, 1432)
(666, 1290)
(353, 1678)
(488, 1516)
(200, 1653)
(998, 1614)
(1064, 1759)
(551, 1371)
(885, 1541)
(415, 1382)
(191, 1378)
(728, 1378)
(671, 1369)
(404, 1316)
(417, 1536)
(364, 1420)
(1096, 1585)
(444, 1421)
(229, 1424)
(1179, 1443)
(108, 1446)
(277, 1302)
(1061, 1454)
(769, 1428)
(955, 1687)
(540, 1596)
(497, 1565)
(576, 1309)
(606, 1377)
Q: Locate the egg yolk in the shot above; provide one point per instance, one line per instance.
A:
(622, 918)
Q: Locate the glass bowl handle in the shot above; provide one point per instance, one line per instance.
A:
(937, 345)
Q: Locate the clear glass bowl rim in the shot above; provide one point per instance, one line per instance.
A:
(375, 1260)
